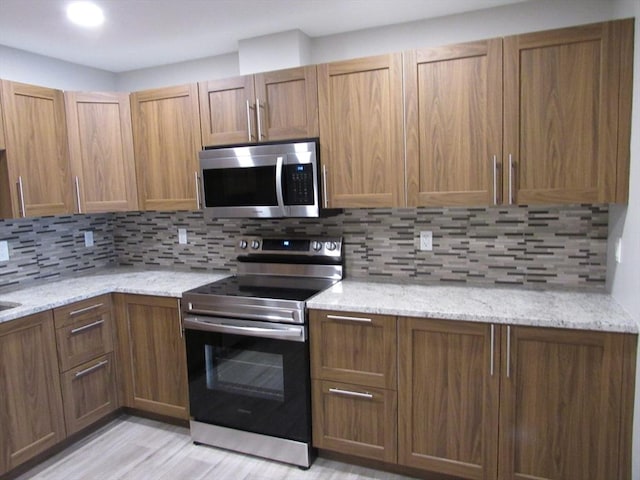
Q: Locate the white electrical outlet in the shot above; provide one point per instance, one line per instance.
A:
(88, 238)
(4, 251)
(182, 236)
(426, 241)
(619, 250)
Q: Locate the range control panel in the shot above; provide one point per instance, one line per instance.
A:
(331, 247)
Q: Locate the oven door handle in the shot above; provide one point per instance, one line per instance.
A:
(295, 333)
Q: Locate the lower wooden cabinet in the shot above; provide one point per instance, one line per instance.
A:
(152, 353)
(31, 414)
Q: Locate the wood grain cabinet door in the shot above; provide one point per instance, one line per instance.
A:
(561, 114)
(166, 137)
(448, 397)
(287, 104)
(101, 151)
(227, 111)
(2, 141)
(154, 362)
(560, 404)
(361, 131)
(31, 415)
(37, 170)
(453, 111)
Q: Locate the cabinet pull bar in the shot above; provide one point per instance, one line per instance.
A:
(493, 331)
(86, 327)
(495, 180)
(350, 319)
(324, 186)
(86, 309)
(508, 352)
(510, 179)
(21, 197)
(92, 368)
(198, 205)
(249, 121)
(349, 393)
(260, 136)
(77, 182)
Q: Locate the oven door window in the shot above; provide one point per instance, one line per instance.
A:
(249, 383)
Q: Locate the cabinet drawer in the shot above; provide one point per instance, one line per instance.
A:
(84, 331)
(354, 348)
(89, 392)
(355, 420)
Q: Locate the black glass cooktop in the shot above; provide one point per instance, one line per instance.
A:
(264, 286)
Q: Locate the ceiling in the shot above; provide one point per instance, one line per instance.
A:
(146, 33)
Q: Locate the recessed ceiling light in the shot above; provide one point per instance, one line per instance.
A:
(85, 14)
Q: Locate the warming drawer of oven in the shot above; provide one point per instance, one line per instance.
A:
(295, 333)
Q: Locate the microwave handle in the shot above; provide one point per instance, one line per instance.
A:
(279, 194)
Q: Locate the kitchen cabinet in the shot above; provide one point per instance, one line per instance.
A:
(267, 106)
(31, 410)
(166, 138)
(453, 112)
(361, 131)
(101, 151)
(84, 334)
(353, 371)
(566, 123)
(2, 144)
(35, 172)
(152, 355)
(448, 397)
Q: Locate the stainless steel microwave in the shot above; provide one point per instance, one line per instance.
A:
(269, 180)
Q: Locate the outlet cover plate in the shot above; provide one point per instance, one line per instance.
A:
(426, 241)
(4, 251)
(88, 238)
(182, 236)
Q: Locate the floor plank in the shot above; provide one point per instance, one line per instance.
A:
(134, 448)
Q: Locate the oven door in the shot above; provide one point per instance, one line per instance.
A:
(251, 376)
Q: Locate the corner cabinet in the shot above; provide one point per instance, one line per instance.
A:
(101, 151)
(31, 412)
(361, 131)
(152, 355)
(35, 176)
(268, 106)
(166, 138)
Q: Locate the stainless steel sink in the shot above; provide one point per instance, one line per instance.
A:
(7, 306)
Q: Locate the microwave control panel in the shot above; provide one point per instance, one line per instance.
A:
(299, 184)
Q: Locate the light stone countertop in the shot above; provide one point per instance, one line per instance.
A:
(45, 296)
(548, 308)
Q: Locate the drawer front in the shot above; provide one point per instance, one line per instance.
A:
(355, 420)
(354, 348)
(85, 332)
(89, 392)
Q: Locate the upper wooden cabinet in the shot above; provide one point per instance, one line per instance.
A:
(2, 144)
(253, 108)
(566, 119)
(453, 111)
(101, 151)
(35, 177)
(166, 135)
(361, 131)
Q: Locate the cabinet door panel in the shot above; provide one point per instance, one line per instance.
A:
(448, 397)
(454, 122)
(101, 150)
(2, 144)
(560, 404)
(31, 412)
(362, 141)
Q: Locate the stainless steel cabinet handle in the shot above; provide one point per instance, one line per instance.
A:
(495, 180)
(21, 197)
(77, 181)
(349, 393)
(349, 319)
(508, 352)
(82, 310)
(249, 121)
(86, 327)
(510, 179)
(198, 205)
(324, 186)
(92, 368)
(493, 330)
(260, 135)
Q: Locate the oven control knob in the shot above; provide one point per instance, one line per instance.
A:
(242, 244)
(331, 246)
(255, 244)
(317, 246)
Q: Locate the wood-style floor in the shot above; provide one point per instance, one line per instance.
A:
(141, 449)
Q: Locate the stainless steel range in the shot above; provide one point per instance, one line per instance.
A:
(248, 350)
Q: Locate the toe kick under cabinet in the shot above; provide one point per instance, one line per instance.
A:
(84, 335)
(474, 400)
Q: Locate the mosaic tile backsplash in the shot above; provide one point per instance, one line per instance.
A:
(540, 247)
